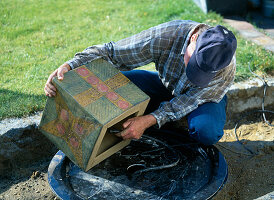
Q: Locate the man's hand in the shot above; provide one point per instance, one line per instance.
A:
(49, 89)
(135, 127)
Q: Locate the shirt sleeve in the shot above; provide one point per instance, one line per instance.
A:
(185, 103)
(89, 54)
(132, 52)
(125, 54)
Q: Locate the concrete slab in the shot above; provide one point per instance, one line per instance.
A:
(263, 40)
(249, 32)
(239, 24)
(269, 47)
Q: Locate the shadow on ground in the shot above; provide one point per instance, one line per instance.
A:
(14, 103)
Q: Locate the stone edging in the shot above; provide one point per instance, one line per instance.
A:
(248, 95)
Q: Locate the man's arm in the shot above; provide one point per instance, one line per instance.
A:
(173, 110)
(135, 51)
(126, 54)
(183, 104)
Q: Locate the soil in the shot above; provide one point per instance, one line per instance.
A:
(251, 170)
(250, 164)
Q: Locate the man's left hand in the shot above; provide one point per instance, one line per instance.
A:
(135, 127)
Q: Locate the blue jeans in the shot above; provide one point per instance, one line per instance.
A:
(205, 124)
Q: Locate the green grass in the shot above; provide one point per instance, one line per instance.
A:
(37, 36)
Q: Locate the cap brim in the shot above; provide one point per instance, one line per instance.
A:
(195, 74)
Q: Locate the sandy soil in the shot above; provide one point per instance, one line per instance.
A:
(251, 171)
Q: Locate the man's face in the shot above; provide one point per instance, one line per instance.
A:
(190, 48)
(189, 51)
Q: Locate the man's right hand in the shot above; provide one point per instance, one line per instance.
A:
(49, 89)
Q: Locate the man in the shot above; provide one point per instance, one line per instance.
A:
(195, 67)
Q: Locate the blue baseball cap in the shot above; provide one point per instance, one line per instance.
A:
(214, 50)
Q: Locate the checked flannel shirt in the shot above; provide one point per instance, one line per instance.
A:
(164, 45)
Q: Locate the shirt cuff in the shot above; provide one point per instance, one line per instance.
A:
(161, 117)
(72, 63)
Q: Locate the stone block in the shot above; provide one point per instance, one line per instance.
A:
(247, 95)
(91, 103)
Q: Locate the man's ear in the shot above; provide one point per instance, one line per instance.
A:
(194, 37)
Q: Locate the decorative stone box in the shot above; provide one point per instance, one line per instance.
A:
(90, 106)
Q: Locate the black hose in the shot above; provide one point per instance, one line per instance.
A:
(162, 166)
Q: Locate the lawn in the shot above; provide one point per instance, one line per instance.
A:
(37, 36)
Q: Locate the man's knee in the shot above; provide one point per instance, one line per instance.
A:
(206, 123)
(206, 132)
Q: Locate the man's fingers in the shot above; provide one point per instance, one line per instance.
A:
(49, 89)
(61, 70)
(129, 133)
(60, 74)
(124, 132)
(49, 92)
(128, 136)
(127, 123)
(52, 75)
(135, 127)
(50, 86)
(120, 133)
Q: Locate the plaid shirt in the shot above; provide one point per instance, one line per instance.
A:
(165, 45)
